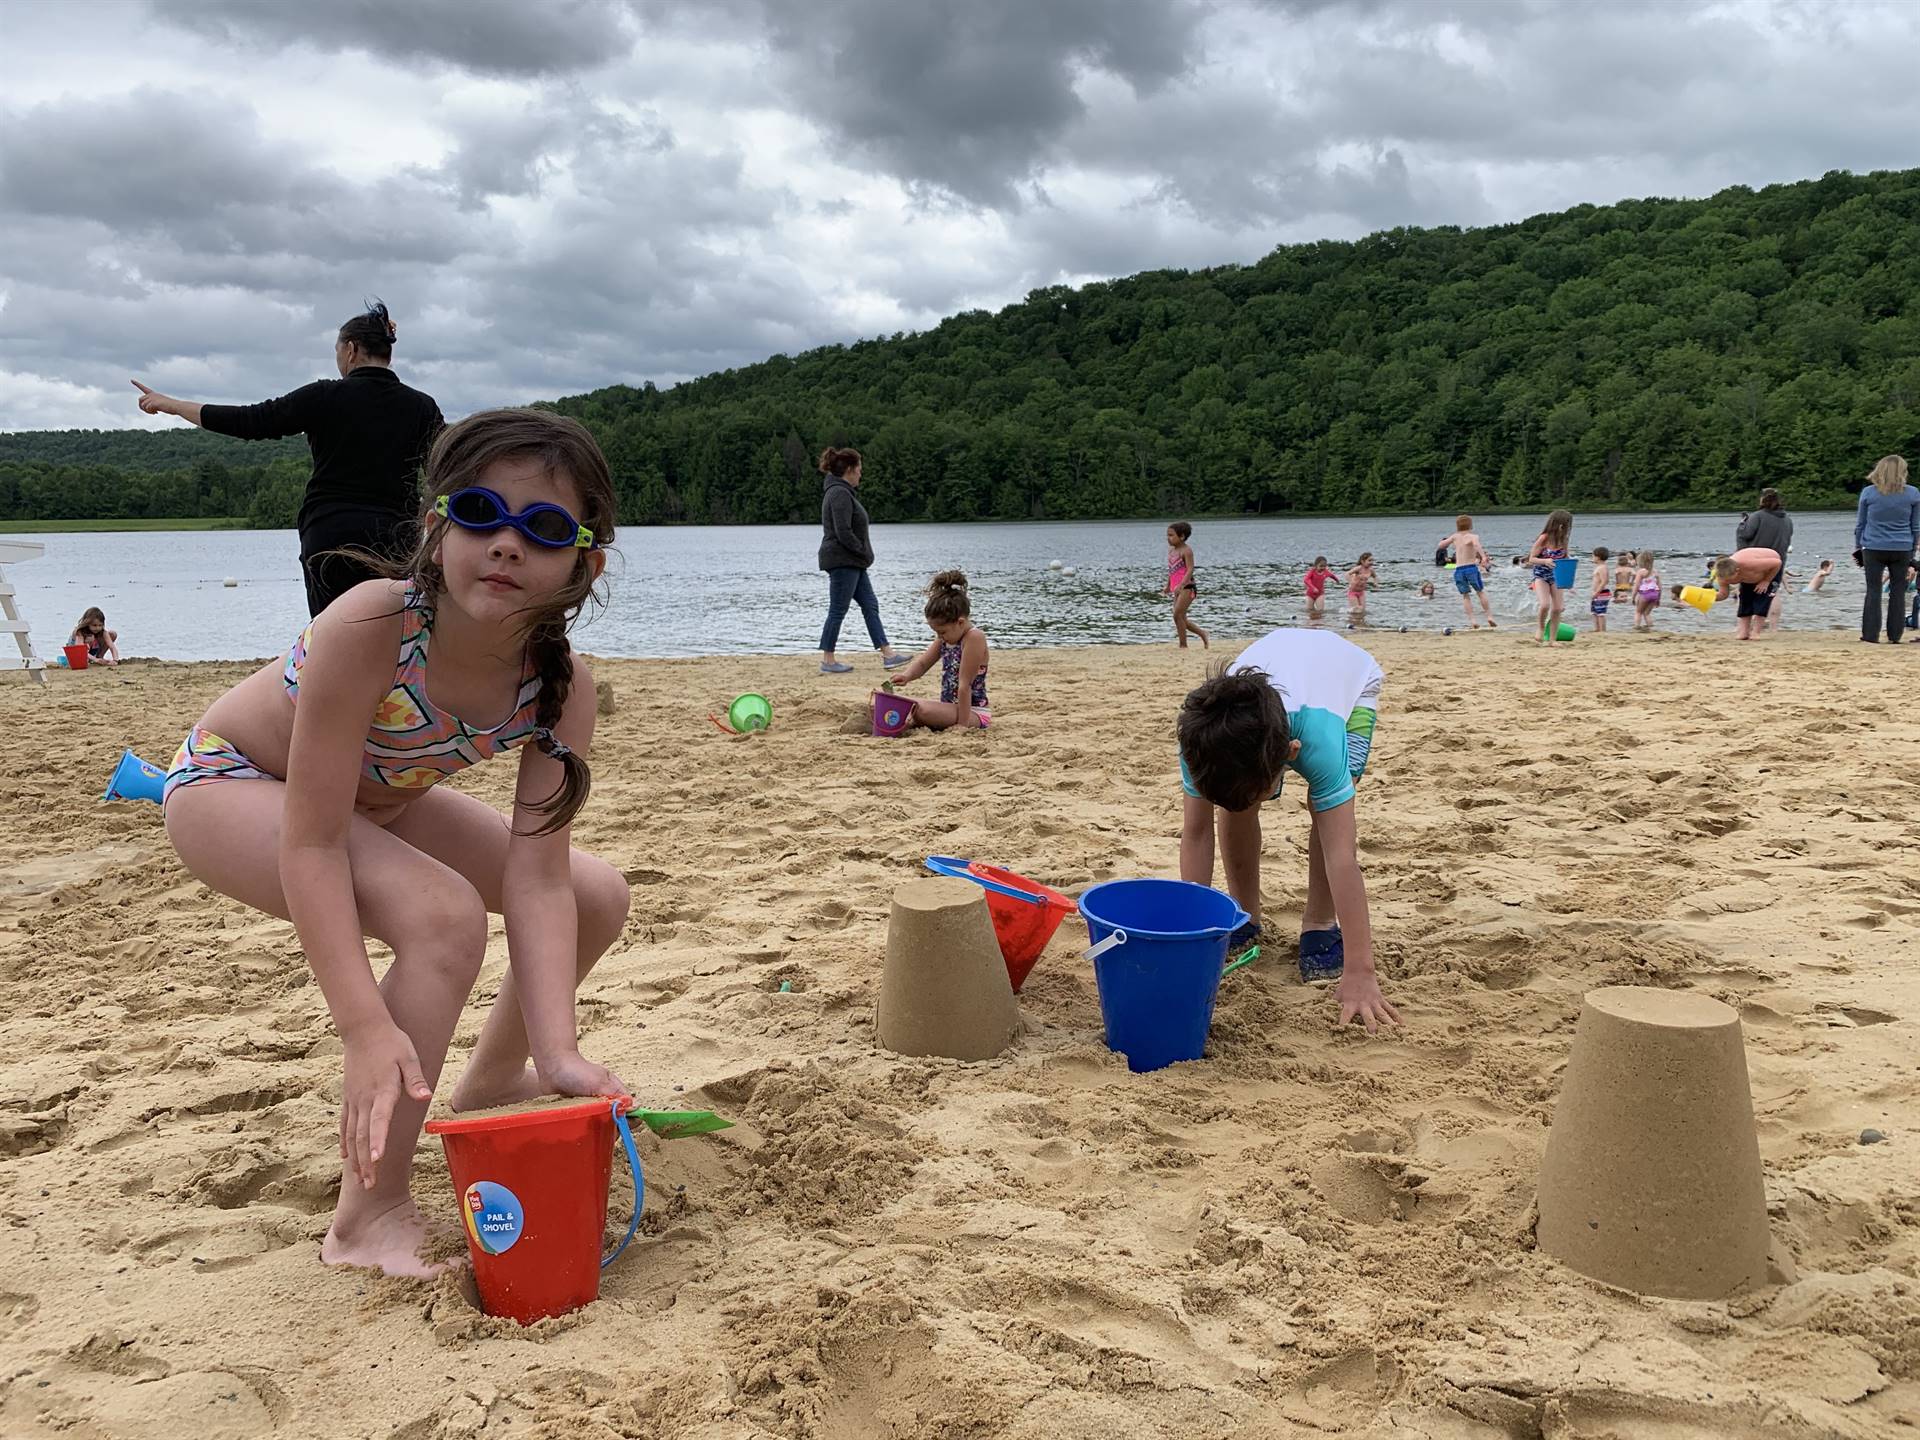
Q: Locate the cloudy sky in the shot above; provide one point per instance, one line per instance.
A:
(560, 195)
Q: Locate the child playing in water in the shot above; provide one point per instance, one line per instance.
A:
(1550, 545)
(1646, 590)
(1602, 589)
(1318, 574)
(1359, 581)
(1426, 590)
(1470, 561)
(102, 644)
(959, 648)
(320, 805)
(1180, 582)
(1822, 573)
(1306, 701)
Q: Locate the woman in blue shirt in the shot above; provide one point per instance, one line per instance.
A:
(1885, 535)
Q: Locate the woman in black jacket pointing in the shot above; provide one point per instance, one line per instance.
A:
(369, 435)
(845, 554)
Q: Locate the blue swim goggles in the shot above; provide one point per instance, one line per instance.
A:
(478, 508)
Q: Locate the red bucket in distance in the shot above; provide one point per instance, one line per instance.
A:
(532, 1189)
(1022, 928)
(76, 656)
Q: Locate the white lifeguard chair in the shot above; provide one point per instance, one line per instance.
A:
(12, 552)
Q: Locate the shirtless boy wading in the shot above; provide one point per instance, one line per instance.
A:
(1470, 565)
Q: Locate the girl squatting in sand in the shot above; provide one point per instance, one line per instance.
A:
(309, 791)
(959, 648)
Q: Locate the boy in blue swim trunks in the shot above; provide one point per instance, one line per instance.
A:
(1306, 701)
(1470, 562)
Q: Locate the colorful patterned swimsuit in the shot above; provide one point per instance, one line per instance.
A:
(410, 744)
(950, 683)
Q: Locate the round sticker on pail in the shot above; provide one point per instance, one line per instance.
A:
(494, 1216)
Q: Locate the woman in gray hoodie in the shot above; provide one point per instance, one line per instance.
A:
(845, 554)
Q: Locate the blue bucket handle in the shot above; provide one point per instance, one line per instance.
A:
(639, 1183)
(956, 868)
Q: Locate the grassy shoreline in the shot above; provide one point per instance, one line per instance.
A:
(197, 522)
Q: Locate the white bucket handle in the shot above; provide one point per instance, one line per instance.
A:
(1113, 941)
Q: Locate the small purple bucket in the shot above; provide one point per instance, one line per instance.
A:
(890, 713)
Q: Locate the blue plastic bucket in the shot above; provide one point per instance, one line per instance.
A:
(134, 779)
(1159, 978)
(1563, 573)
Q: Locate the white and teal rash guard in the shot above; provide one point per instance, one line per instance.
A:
(1331, 690)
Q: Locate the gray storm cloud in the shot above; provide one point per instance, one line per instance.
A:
(557, 197)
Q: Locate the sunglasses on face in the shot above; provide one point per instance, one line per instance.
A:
(477, 508)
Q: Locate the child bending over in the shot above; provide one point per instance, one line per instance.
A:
(309, 791)
(1756, 570)
(1306, 701)
(102, 644)
(959, 648)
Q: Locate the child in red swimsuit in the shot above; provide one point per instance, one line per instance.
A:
(1318, 574)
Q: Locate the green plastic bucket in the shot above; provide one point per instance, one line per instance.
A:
(750, 712)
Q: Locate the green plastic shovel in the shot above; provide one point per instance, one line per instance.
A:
(678, 1124)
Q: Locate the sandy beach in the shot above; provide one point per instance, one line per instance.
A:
(1304, 1233)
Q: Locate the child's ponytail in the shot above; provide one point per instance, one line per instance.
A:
(552, 658)
(947, 599)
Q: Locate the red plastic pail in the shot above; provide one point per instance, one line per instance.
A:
(1022, 928)
(532, 1190)
(76, 656)
(1025, 912)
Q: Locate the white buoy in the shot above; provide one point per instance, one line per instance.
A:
(1053, 564)
(1069, 570)
(230, 583)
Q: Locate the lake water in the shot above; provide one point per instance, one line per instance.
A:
(755, 589)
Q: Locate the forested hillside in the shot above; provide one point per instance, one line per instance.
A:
(1654, 352)
(140, 474)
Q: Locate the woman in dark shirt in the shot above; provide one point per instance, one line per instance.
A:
(369, 435)
(845, 554)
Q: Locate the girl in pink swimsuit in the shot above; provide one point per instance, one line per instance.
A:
(1359, 581)
(1180, 582)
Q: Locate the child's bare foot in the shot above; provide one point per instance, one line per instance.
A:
(389, 1242)
(482, 1092)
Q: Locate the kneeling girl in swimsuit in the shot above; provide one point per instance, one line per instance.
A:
(309, 791)
(959, 648)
